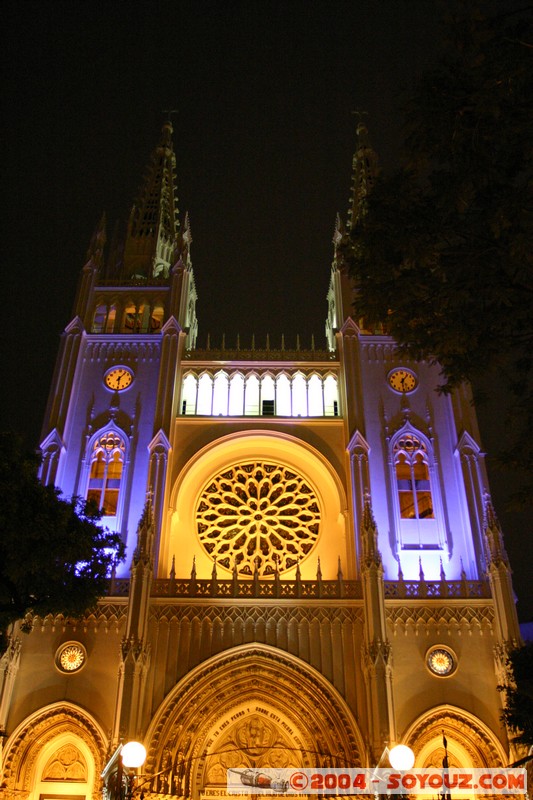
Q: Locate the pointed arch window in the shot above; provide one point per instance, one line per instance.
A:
(315, 396)
(267, 394)
(104, 318)
(157, 317)
(251, 396)
(283, 396)
(420, 522)
(299, 396)
(204, 404)
(236, 395)
(220, 394)
(105, 476)
(412, 478)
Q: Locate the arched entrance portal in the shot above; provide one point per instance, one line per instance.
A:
(250, 707)
(58, 752)
(470, 743)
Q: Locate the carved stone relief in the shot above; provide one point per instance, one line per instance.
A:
(67, 764)
(248, 708)
(462, 730)
(22, 753)
(478, 618)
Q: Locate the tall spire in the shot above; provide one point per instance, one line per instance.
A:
(364, 172)
(153, 224)
(95, 253)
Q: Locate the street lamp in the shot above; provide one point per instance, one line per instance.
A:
(401, 757)
(129, 756)
(133, 755)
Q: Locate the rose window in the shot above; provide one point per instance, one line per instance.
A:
(440, 661)
(71, 657)
(258, 515)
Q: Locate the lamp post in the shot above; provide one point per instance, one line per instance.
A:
(117, 778)
(401, 757)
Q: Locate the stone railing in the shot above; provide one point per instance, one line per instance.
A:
(258, 354)
(437, 590)
(297, 589)
(138, 281)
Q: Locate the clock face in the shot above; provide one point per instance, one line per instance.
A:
(403, 380)
(118, 378)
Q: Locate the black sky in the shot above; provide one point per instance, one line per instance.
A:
(264, 138)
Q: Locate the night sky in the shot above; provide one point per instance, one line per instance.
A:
(264, 137)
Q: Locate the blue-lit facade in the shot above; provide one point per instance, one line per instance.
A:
(314, 568)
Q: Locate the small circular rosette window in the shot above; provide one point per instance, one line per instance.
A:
(258, 516)
(441, 661)
(71, 657)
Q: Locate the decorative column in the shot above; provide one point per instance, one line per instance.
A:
(506, 628)
(135, 658)
(499, 572)
(358, 450)
(376, 654)
(9, 665)
(172, 344)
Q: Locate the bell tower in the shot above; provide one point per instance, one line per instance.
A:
(114, 391)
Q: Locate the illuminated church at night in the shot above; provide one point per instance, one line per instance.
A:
(314, 569)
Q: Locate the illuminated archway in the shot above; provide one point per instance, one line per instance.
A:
(470, 743)
(59, 749)
(252, 706)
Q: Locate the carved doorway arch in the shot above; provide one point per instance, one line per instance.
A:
(60, 747)
(471, 744)
(252, 706)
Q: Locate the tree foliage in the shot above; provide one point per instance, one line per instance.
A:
(443, 254)
(54, 555)
(518, 711)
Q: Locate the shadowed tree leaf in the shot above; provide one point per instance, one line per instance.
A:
(55, 557)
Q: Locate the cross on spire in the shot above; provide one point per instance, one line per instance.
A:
(169, 112)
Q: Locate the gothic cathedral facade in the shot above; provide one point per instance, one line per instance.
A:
(314, 569)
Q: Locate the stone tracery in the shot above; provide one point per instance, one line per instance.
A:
(56, 721)
(258, 516)
(469, 735)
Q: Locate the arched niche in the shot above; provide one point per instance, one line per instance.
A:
(181, 539)
(249, 707)
(59, 750)
(470, 743)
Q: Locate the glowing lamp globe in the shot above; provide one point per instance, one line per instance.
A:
(401, 757)
(133, 755)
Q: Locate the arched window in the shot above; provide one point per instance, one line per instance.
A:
(220, 394)
(412, 478)
(156, 320)
(251, 396)
(268, 396)
(132, 320)
(299, 396)
(331, 397)
(283, 396)
(204, 404)
(188, 395)
(315, 396)
(104, 319)
(107, 462)
(99, 319)
(236, 395)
